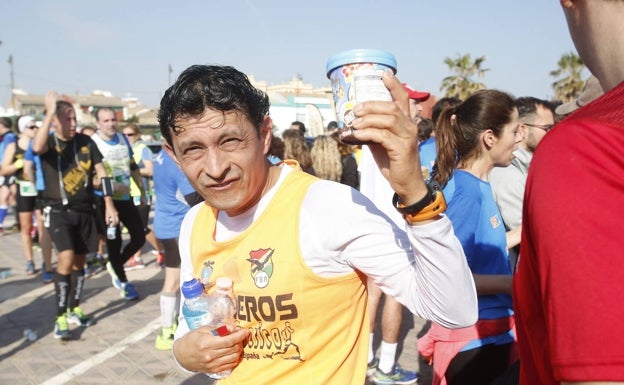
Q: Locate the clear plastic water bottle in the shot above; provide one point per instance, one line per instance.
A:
(216, 310)
(30, 335)
(111, 230)
(5, 273)
(196, 304)
(223, 308)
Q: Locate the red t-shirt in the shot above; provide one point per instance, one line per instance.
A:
(569, 288)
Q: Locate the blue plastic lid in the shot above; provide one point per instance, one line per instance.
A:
(360, 56)
(192, 288)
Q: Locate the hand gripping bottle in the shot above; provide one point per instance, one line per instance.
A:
(111, 230)
(217, 309)
(223, 311)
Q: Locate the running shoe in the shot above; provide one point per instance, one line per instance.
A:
(30, 268)
(61, 328)
(77, 317)
(396, 376)
(134, 263)
(128, 292)
(101, 259)
(372, 367)
(164, 339)
(95, 263)
(160, 259)
(48, 277)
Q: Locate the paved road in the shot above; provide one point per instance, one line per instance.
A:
(119, 349)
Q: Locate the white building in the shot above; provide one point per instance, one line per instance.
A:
(296, 100)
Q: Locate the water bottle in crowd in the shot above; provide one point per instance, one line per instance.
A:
(223, 307)
(216, 310)
(30, 335)
(6, 273)
(111, 231)
(196, 304)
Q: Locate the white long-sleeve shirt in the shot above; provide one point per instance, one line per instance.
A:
(423, 267)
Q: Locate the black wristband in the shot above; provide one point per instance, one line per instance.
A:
(416, 207)
(107, 186)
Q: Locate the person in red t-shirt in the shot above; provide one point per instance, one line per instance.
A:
(568, 289)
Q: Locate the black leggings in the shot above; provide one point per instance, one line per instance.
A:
(129, 216)
(479, 366)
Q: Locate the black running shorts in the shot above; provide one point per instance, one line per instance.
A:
(172, 252)
(73, 230)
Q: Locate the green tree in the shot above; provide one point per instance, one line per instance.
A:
(132, 119)
(570, 82)
(461, 84)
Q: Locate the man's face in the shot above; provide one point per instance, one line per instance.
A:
(65, 123)
(415, 109)
(537, 126)
(224, 158)
(107, 123)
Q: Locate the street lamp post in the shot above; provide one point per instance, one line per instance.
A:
(10, 61)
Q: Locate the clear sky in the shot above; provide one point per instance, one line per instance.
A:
(126, 46)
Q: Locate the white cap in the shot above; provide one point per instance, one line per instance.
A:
(23, 121)
(224, 283)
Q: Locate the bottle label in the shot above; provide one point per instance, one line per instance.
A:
(199, 320)
(111, 232)
(368, 85)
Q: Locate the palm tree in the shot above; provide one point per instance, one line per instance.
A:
(462, 85)
(570, 82)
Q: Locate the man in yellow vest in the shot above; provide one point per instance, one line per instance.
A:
(300, 249)
(144, 159)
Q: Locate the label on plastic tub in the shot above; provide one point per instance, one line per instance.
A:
(368, 85)
(355, 78)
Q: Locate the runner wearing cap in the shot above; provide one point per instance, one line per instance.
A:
(415, 98)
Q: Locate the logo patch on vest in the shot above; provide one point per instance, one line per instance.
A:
(494, 221)
(261, 268)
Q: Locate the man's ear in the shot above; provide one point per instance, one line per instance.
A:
(523, 130)
(566, 3)
(266, 130)
(171, 153)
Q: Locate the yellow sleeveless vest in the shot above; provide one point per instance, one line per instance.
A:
(305, 329)
(137, 153)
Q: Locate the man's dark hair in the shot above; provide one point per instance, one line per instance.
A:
(6, 122)
(441, 105)
(300, 126)
(97, 112)
(221, 88)
(527, 105)
(61, 107)
(425, 128)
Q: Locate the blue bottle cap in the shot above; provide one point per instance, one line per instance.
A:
(360, 56)
(192, 288)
